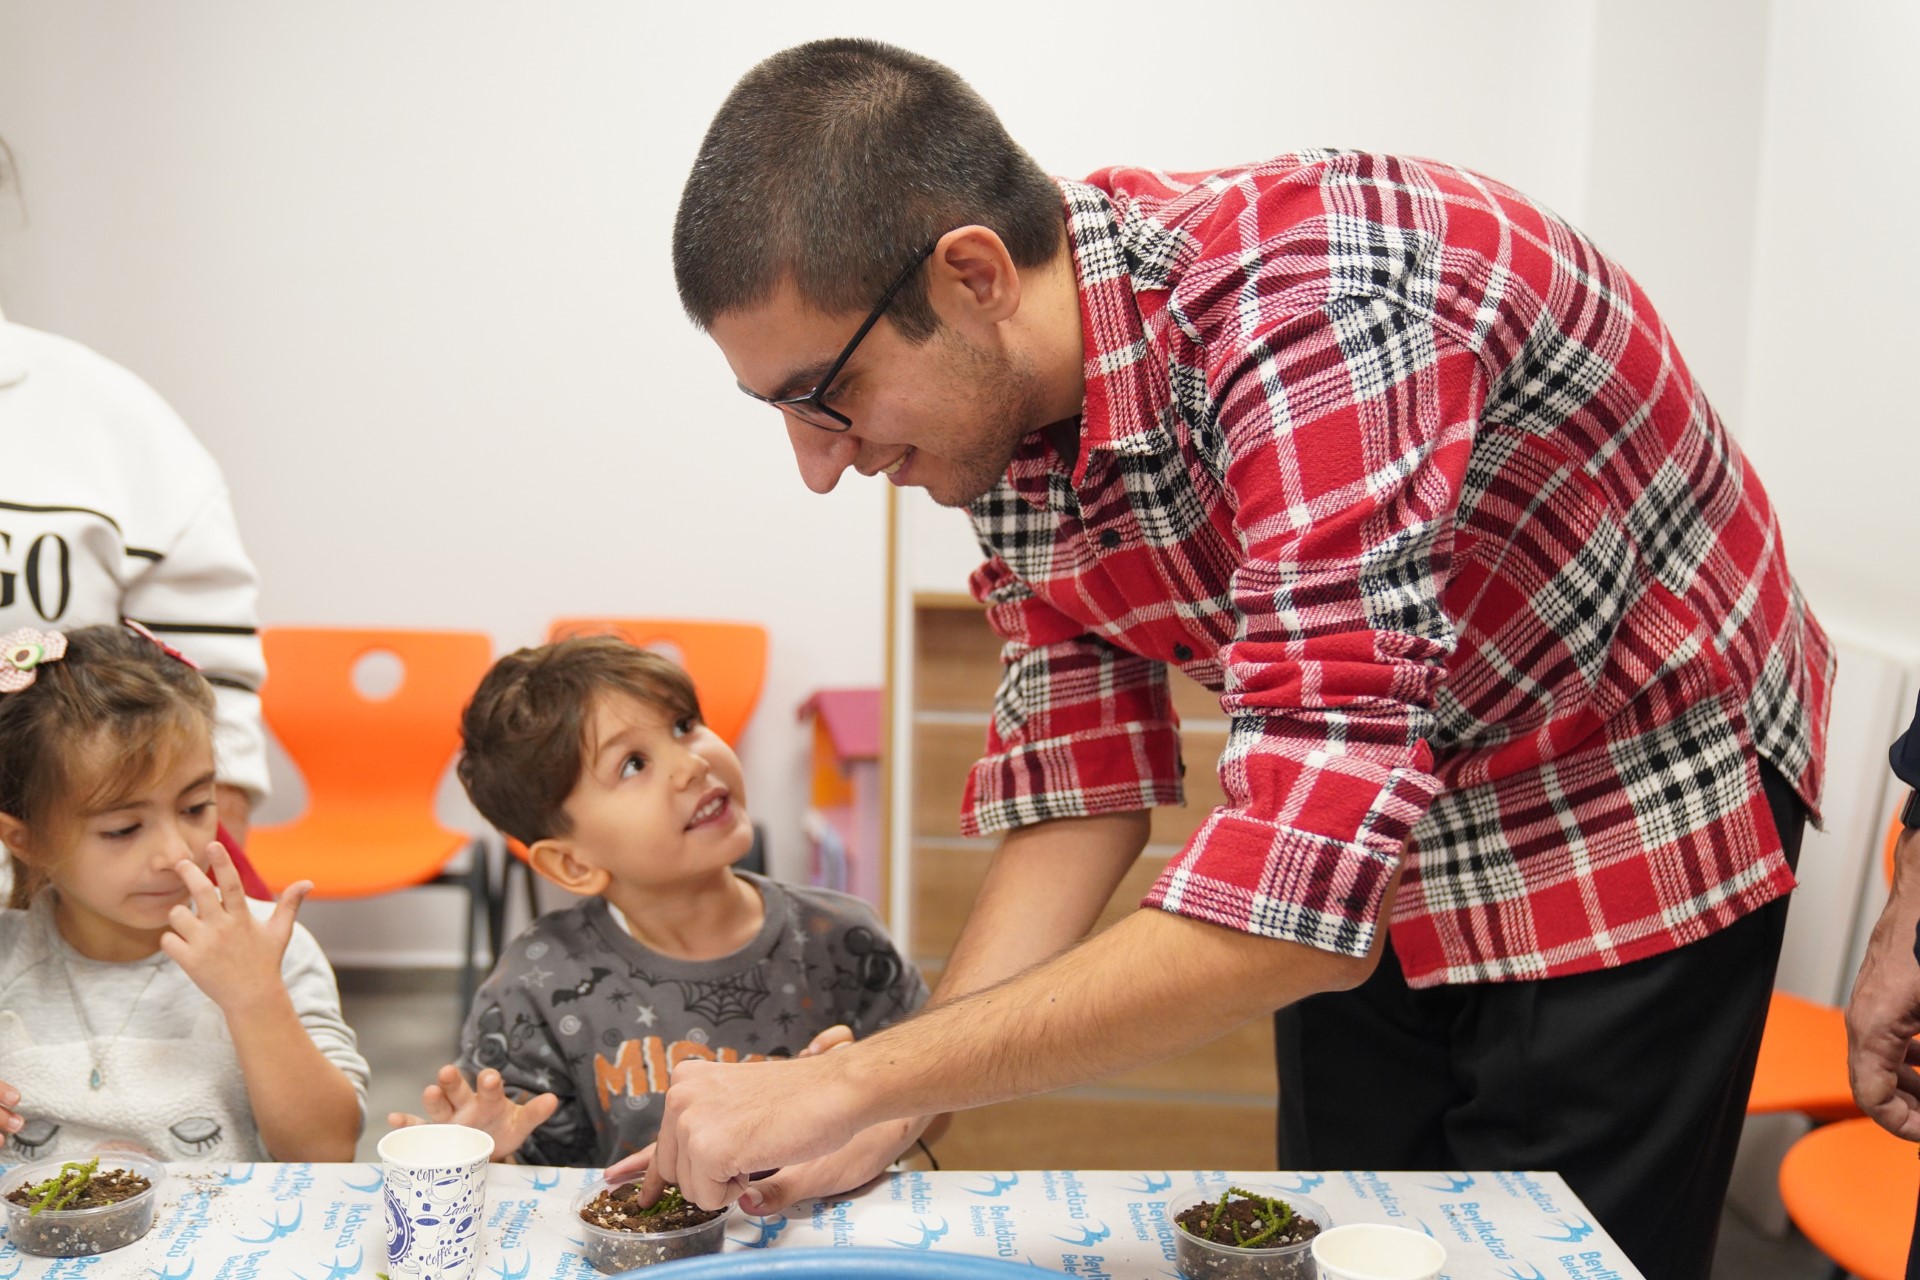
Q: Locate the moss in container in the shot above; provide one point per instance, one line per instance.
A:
(74, 1208)
(621, 1235)
(1235, 1234)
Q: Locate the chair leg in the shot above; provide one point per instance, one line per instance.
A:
(479, 911)
(532, 880)
(495, 899)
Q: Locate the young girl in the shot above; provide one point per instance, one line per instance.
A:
(143, 1000)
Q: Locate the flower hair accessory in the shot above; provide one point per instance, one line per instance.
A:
(140, 630)
(23, 651)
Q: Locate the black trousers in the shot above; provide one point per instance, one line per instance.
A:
(1631, 1082)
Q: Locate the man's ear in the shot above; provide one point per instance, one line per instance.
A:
(556, 860)
(971, 278)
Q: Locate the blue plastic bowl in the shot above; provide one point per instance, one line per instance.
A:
(823, 1264)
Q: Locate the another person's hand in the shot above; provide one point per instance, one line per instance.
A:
(837, 1036)
(1883, 1015)
(853, 1166)
(231, 956)
(10, 1120)
(848, 1169)
(725, 1121)
(482, 1105)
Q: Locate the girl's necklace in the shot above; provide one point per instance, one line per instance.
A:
(98, 1079)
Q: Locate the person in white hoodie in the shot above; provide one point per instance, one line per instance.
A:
(110, 508)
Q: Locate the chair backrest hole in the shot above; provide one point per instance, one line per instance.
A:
(378, 675)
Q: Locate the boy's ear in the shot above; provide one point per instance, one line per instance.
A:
(556, 860)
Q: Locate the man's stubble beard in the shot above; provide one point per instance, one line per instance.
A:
(1008, 411)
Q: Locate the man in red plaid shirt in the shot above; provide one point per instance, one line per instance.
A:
(1410, 473)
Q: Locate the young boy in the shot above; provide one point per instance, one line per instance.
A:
(592, 753)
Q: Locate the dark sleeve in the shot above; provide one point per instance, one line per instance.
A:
(1905, 756)
(507, 1030)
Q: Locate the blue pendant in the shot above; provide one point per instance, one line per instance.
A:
(94, 1079)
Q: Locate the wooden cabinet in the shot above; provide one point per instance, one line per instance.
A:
(1211, 1108)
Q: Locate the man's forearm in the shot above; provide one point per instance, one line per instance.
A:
(1047, 886)
(1152, 986)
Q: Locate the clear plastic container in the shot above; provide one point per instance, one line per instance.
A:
(1204, 1260)
(76, 1233)
(614, 1251)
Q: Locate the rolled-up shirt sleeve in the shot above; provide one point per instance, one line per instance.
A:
(1079, 727)
(1346, 432)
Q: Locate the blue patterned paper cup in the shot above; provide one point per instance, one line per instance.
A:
(436, 1194)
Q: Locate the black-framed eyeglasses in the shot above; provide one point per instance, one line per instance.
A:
(811, 408)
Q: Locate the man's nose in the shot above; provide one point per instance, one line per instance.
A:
(823, 455)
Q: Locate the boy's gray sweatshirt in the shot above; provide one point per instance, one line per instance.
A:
(579, 1008)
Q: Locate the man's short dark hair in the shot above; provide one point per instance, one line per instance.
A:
(524, 735)
(833, 163)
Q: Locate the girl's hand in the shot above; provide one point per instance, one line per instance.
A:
(231, 956)
(483, 1105)
(10, 1120)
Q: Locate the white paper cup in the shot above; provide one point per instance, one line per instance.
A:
(1374, 1251)
(436, 1176)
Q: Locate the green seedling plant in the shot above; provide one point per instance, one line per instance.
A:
(64, 1187)
(669, 1200)
(1275, 1216)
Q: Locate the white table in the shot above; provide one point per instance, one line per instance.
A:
(324, 1222)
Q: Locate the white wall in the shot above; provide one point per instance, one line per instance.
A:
(403, 266)
(1831, 418)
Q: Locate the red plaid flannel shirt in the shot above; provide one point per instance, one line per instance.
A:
(1400, 465)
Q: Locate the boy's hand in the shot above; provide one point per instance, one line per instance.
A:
(11, 1120)
(832, 1038)
(232, 957)
(483, 1105)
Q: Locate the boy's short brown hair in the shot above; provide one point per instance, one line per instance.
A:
(525, 732)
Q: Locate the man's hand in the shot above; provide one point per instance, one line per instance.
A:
(232, 957)
(785, 1113)
(482, 1105)
(1883, 1015)
(854, 1165)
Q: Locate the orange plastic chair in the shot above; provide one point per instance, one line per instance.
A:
(726, 660)
(1803, 1051)
(1850, 1189)
(1803, 1061)
(373, 766)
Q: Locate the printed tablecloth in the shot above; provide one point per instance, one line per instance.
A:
(324, 1222)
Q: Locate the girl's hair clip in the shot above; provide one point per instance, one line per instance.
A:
(140, 629)
(23, 651)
